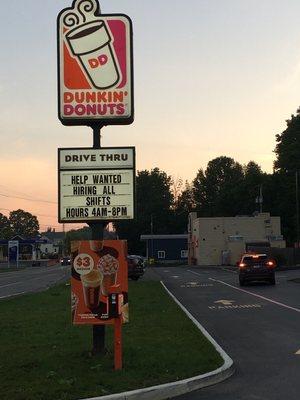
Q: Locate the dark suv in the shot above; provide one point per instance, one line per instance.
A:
(256, 267)
(136, 267)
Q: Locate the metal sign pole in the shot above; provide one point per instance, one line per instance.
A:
(97, 229)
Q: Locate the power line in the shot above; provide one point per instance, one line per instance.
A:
(23, 198)
(39, 215)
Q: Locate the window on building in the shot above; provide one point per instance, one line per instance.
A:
(184, 253)
(161, 254)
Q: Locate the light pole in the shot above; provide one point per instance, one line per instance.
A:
(297, 210)
(151, 231)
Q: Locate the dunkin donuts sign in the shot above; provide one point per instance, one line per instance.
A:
(99, 281)
(94, 66)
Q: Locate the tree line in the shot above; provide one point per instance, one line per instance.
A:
(225, 188)
(19, 222)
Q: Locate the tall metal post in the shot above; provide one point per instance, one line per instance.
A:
(151, 230)
(297, 209)
(97, 229)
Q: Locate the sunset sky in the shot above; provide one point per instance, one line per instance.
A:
(212, 77)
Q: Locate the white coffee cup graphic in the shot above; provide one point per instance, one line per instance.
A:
(91, 43)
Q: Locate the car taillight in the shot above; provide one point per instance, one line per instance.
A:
(270, 264)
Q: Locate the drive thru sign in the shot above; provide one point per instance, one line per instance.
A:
(95, 73)
(96, 184)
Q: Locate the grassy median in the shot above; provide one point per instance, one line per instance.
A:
(43, 357)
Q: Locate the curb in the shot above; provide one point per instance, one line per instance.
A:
(177, 388)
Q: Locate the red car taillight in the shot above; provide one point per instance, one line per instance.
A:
(270, 264)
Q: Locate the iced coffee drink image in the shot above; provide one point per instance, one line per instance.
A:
(108, 266)
(91, 284)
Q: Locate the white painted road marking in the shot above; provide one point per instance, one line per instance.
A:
(229, 270)
(12, 295)
(175, 276)
(257, 295)
(298, 352)
(235, 307)
(225, 302)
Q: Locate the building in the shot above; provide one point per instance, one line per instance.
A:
(222, 240)
(26, 249)
(54, 242)
(166, 247)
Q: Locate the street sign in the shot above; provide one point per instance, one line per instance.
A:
(95, 71)
(13, 252)
(96, 184)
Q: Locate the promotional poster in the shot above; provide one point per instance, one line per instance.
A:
(99, 282)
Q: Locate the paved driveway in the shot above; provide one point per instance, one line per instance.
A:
(257, 325)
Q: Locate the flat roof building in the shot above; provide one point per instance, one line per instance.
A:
(222, 240)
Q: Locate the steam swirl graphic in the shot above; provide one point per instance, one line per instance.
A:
(80, 11)
(71, 19)
(85, 7)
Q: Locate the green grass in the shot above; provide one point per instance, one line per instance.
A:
(43, 357)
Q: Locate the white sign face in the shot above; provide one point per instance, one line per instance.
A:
(95, 65)
(96, 184)
(96, 158)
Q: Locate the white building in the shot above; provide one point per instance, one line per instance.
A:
(222, 240)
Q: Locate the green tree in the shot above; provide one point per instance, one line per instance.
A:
(216, 190)
(286, 165)
(249, 190)
(5, 231)
(23, 223)
(287, 149)
(182, 207)
(154, 201)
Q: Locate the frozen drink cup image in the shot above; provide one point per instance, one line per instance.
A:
(91, 284)
(91, 44)
(108, 266)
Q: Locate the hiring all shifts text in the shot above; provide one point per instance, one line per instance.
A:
(82, 187)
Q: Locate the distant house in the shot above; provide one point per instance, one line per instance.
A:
(166, 247)
(27, 249)
(53, 242)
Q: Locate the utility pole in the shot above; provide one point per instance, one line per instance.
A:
(151, 231)
(297, 210)
(260, 199)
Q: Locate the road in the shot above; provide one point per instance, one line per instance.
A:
(31, 280)
(257, 325)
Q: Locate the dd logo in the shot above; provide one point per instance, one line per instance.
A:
(98, 62)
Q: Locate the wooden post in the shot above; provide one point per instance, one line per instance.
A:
(118, 343)
(97, 234)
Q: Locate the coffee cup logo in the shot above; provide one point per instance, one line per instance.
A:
(90, 42)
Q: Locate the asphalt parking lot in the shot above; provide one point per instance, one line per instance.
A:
(257, 325)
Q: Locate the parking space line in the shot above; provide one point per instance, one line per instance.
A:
(251, 293)
(257, 295)
(229, 270)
